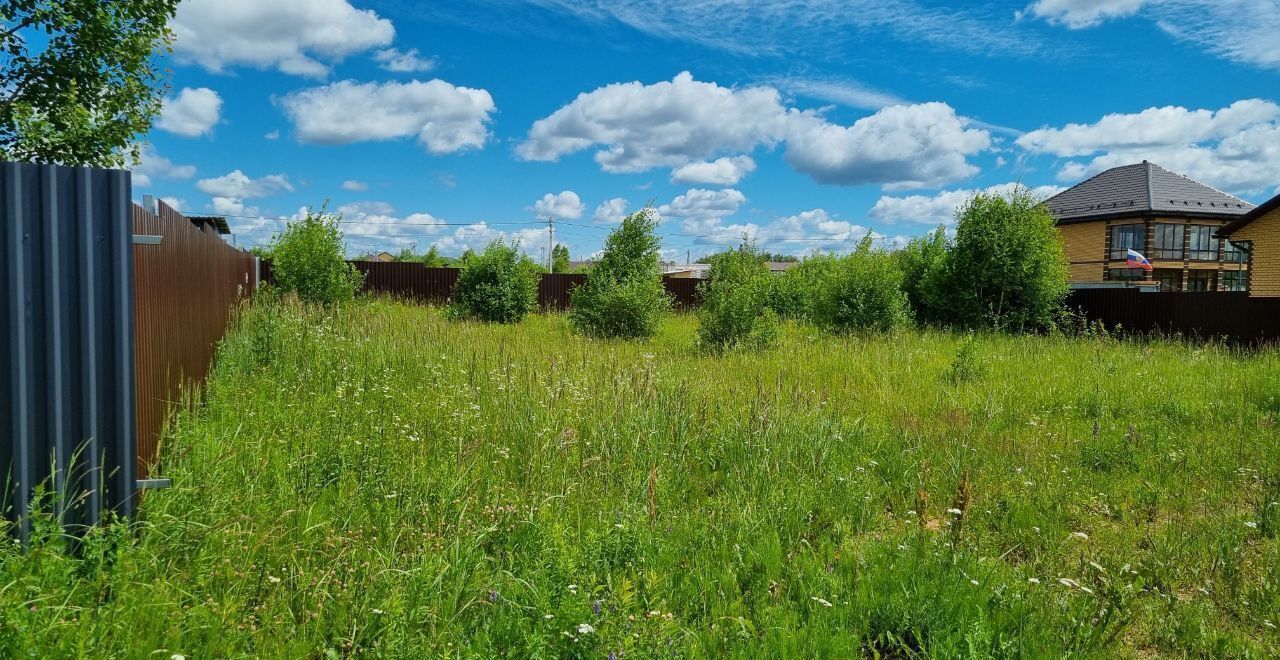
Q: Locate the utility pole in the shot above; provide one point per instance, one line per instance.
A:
(551, 232)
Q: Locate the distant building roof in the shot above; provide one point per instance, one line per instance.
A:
(218, 222)
(1139, 189)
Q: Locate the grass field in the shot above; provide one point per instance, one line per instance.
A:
(383, 481)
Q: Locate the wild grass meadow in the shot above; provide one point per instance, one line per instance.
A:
(379, 480)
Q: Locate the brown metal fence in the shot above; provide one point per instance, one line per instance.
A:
(416, 282)
(408, 280)
(1208, 314)
(187, 288)
(555, 288)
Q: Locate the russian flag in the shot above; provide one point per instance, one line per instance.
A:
(1135, 260)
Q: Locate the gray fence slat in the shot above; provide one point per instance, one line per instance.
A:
(67, 386)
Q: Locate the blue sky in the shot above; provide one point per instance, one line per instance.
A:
(803, 123)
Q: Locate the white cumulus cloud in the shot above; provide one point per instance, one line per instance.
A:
(193, 112)
(666, 124)
(811, 230)
(940, 208)
(610, 212)
(1236, 148)
(239, 185)
(680, 122)
(445, 118)
(719, 172)
(478, 235)
(564, 205)
(900, 147)
(703, 211)
(354, 185)
(403, 61)
(152, 166)
(1153, 127)
(299, 37)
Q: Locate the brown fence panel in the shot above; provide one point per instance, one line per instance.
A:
(409, 281)
(186, 290)
(554, 289)
(683, 291)
(1207, 314)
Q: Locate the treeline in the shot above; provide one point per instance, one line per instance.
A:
(1003, 269)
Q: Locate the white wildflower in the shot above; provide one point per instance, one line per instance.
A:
(1033, 580)
(1250, 524)
(821, 601)
(585, 629)
(955, 512)
(1080, 535)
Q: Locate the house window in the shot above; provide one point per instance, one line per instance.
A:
(1125, 238)
(1169, 241)
(1232, 254)
(1202, 244)
(1235, 280)
(1126, 274)
(1170, 279)
(1202, 280)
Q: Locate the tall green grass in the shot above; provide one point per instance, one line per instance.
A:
(379, 480)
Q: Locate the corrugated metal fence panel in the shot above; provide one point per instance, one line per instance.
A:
(187, 289)
(410, 281)
(554, 289)
(1206, 314)
(683, 291)
(67, 385)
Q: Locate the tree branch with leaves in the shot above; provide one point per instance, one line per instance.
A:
(79, 79)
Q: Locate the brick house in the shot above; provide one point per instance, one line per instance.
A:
(1258, 235)
(1171, 219)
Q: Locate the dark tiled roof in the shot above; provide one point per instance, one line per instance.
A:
(1141, 188)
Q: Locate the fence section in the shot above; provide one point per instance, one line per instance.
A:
(411, 281)
(684, 291)
(554, 289)
(67, 385)
(186, 290)
(408, 280)
(1205, 314)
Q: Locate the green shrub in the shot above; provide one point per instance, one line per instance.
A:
(1006, 269)
(967, 366)
(499, 285)
(923, 262)
(623, 296)
(309, 259)
(735, 302)
(863, 292)
(794, 294)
